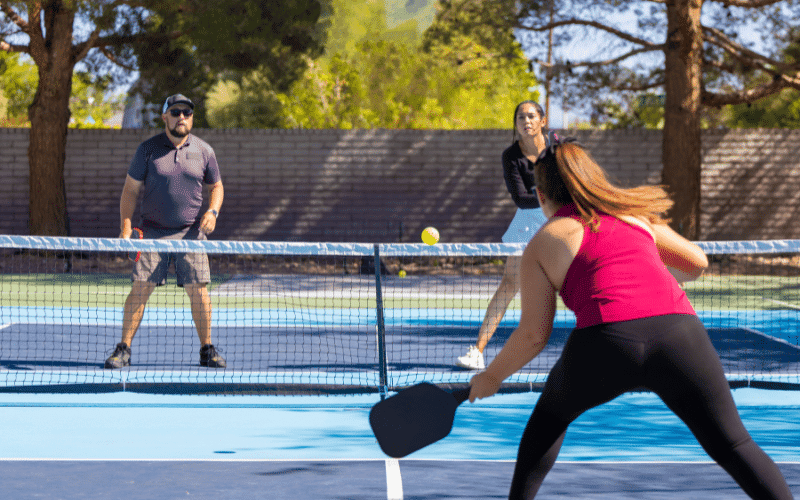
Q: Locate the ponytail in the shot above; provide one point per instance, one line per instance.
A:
(566, 173)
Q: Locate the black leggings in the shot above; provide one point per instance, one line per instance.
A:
(671, 356)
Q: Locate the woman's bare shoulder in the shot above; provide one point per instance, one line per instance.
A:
(641, 222)
(561, 226)
(554, 247)
(559, 232)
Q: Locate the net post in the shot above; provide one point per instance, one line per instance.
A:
(380, 328)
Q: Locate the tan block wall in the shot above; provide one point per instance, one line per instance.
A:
(386, 185)
(751, 184)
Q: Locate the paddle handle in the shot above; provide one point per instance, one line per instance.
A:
(136, 233)
(461, 395)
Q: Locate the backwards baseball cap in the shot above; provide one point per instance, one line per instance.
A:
(176, 99)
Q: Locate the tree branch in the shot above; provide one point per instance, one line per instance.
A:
(12, 47)
(14, 17)
(36, 44)
(80, 50)
(119, 40)
(643, 87)
(590, 64)
(783, 75)
(741, 53)
(103, 43)
(754, 4)
(116, 61)
(593, 24)
(730, 68)
(718, 100)
(20, 23)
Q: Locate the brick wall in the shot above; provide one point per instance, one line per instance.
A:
(386, 185)
(13, 181)
(751, 184)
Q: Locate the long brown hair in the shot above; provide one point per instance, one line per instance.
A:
(566, 173)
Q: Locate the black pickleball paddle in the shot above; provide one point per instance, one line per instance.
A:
(414, 418)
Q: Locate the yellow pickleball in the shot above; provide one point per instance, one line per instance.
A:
(402, 273)
(430, 235)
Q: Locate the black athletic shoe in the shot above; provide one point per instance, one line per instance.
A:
(211, 358)
(120, 358)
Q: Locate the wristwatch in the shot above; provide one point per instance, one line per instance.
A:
(216, 214)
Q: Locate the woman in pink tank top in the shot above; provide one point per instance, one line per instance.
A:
(610, 254)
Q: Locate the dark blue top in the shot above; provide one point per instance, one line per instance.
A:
(173, 180)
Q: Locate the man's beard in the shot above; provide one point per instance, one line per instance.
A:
(179, 133)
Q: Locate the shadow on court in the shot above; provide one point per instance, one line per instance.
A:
(50, 349)
(137, 446)
(361, 480)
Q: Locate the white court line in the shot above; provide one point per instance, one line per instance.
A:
(273, 460)
(781, 303)
(5, 326)
(335, 294)
(394, 483)
(305, 460)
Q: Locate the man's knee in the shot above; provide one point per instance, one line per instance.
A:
(141, 290)
(196, 290)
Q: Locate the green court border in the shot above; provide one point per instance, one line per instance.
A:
(712, 292)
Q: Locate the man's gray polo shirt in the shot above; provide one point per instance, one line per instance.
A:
(173, 180)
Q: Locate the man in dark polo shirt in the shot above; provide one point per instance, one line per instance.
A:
(172, 169)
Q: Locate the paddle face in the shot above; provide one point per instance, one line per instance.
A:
(136, 233)
(414, 418)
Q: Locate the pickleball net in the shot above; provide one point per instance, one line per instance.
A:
(296, 317)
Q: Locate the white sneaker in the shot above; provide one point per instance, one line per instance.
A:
(472, 360)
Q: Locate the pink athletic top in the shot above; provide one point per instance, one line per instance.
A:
(618, 275)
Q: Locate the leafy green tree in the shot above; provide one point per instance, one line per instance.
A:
(693, 51)
(332, 94)
(485, 63)
(374, 76)
(390, 85)
(778, 111)
(351, 22)
(18, 84)
(252, 102)
(90, 104)
(634, 111)
(176, 46)
(781, 109)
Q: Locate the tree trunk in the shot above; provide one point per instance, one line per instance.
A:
(49, 115)
(681, 144)
(46, 154)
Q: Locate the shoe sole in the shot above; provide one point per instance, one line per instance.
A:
(213, 365)
(112, 367)
(468, 367)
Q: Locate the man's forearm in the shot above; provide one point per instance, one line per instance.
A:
(215, 195)
(127, 205)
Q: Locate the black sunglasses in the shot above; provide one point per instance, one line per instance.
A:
(187, 112)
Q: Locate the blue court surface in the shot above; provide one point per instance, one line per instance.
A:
(126, 442)
(331, 346)
(145, 446)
